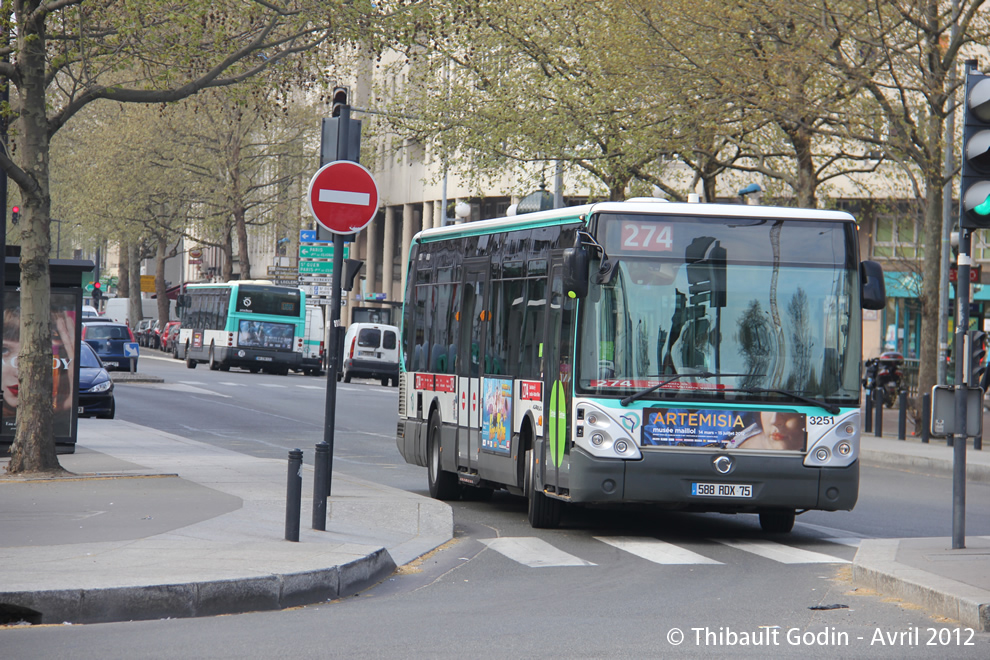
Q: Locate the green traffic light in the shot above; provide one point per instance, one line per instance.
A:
(984, 208)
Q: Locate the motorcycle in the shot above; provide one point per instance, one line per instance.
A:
(884, 373)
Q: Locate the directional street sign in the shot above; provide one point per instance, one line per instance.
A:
(315, 279)
(343, 197)
(315, 267)
(323, 251)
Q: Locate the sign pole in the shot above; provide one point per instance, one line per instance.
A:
(343, 197)
(334, 352)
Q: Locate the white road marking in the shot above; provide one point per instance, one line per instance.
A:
(655, 550)
(311, 387)
(271, 385)
(226, 382)
(533, 552)
(778, 552)
(851, 542)
(191, 389)
(345, 197)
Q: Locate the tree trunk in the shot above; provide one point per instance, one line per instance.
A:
(134, 311)
(161, 289)
(226, 249)
(123, 270)
(930, 274)
(33, 449)
(243, 255)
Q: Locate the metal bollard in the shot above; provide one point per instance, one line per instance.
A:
(293, 495)
(868, 426)
(320, 487)
(926, 417)
(902, 415)
(878, 409)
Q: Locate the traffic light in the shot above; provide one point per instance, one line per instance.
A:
(978, 374)
(97, 292)
(338, 101)
(706, 272)
(974, 187)
(15, 213)
(351, 268)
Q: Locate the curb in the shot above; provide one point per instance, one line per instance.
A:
(199, 599)
(943, 466)
(128, 377)
(875, 567)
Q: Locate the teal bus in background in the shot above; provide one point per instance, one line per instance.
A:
(251, 324)
(701, 357)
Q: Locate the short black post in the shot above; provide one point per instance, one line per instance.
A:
(868, 426)
(878, 409)
(320, 486)
(902, 415)
(293, 495)
(926, 417)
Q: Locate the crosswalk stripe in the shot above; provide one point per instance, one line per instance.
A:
(655, 550)
(851, 542)
(311, 387)
(778, 552)
(271, 385)
(533, 552)
(226, 382)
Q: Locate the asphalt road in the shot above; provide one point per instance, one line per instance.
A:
(600, 586)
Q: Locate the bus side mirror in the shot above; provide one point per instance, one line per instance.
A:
(576, 272)
(873, 292)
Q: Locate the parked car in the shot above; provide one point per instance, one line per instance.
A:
(88, 312)
(371, 350)
(142, 330)
(169, 336)
(114, 343)
(95, 386)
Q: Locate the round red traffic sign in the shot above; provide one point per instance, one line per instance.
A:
(343, 197)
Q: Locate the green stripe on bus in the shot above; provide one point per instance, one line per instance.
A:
(558, 423)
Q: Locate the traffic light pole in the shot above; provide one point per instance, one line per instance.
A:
(962, 352)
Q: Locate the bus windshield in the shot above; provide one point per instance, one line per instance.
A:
(762, 303)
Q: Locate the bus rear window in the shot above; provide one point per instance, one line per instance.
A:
(258, 300)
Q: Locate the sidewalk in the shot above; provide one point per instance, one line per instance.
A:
(954, 583)
(160, 526)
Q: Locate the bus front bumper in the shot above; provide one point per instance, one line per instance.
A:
(668, 479)
(259, 357)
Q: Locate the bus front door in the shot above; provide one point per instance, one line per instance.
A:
(557, 358)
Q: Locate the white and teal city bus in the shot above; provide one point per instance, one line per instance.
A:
(699, 357)
(250, 324)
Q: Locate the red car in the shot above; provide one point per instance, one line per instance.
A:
(169, 337)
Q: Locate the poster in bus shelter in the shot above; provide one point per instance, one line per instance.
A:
(265, 334)
(724, 429)
(496, 415)
(64, 372)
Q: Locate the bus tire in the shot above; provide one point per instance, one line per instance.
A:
(443, 484)
(777, 521)
(385, 381)
(190, 363)
(214, 365)
(544, 512)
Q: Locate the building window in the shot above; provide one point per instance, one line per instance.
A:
(897, 237)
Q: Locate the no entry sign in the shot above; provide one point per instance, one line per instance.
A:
(343, 197)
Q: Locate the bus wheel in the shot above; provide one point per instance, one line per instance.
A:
(544, 512)
(779, 521)
(385, 381)
(214, 365)
(190, 363)
(443, 484)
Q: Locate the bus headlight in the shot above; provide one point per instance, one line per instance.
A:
(601, 435)
(838, 446)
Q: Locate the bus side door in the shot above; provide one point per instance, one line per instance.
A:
(470, 361)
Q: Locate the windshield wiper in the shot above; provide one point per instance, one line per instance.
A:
(701, 374)
(830, 407)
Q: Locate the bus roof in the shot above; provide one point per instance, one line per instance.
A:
(645, 205)
(233, 283)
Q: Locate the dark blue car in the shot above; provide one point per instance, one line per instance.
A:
(114, 343)
(95, 386)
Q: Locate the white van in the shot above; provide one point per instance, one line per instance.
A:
(118, 308)
(314, 342)
(371, 350)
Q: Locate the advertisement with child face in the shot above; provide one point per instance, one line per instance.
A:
(63, 317)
